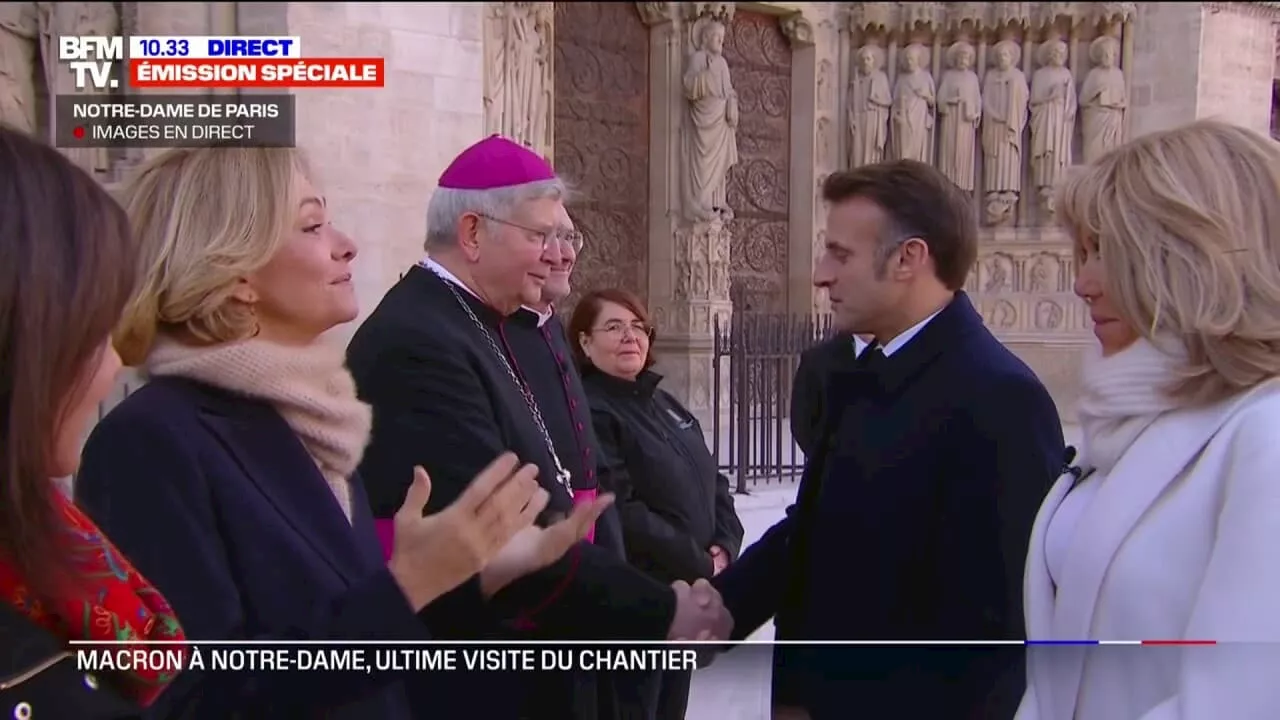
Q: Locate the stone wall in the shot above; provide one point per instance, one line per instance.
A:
(457, 71)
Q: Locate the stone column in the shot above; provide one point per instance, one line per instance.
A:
(815, 143)
(519, 80)
(688, 246)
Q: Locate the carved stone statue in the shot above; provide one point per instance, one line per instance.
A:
(1053, 117)
(711, 138)
(1103, 99)
(518, 82)
(74, 18)
(1004, 107)
(19, 34)
(869, 103)
(914, 98)
(959, 110)
(495, 67)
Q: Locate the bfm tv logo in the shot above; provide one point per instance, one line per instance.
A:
(91, 59)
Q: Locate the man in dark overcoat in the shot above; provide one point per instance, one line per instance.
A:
(434, 361)
(809, 386)
(913, 515)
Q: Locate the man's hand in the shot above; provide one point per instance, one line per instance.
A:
(719, 559)
(700, 613)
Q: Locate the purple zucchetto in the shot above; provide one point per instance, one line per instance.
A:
(495, 162)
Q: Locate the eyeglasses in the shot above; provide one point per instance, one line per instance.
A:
(618, 329)
(569, 238)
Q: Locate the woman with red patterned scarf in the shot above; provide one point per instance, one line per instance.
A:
(67, 267)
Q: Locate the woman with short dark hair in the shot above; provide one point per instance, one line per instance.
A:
(67, 266)
(678, 519)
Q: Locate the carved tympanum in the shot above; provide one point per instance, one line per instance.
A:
(1004, 98)
(959, 110)
(914, 97)
(1104, 99)
(869, 103)
(711, 133)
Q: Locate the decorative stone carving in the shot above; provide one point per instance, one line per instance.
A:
(959, 110)
(997, 274)
(1004, 98)
(701, 267)
(914, 99)
(872, 16)
(1104, 98)
(19, 48)
(1053, 116)
(826, 85)
(73, 18)
(825, 141)
(517, 72)
(1108, 13)
(1048, 315)
(798, 29)
(869, 104)
(655, 13)
(711, 133)
(602, 142)
(1045, 274)
(1002, 315)
(759, 186)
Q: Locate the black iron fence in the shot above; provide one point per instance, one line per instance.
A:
(753, 364)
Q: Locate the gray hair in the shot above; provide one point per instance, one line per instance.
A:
(448, 205)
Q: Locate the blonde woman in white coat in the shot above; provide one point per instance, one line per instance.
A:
(1172, 529)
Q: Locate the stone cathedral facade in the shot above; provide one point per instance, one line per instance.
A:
(698, 133)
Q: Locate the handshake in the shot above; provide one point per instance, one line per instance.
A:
(700, 613)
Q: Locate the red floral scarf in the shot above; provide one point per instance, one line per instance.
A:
(118, 604)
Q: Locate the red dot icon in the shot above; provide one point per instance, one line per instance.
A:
(78, 132)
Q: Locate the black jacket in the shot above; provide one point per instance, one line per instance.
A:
(544, 361)
(442, 399)
(673, 503)
(38, 677)
(911, 523)
(809, 389)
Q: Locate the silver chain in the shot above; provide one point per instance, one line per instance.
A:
(562, 475)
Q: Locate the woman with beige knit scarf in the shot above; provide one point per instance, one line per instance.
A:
(229, 479)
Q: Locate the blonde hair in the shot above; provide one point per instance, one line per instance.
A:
(204, 218)
(1187, 222)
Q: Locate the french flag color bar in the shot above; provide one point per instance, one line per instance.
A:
(1164, 643)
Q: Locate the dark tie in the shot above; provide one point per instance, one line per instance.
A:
(872, 359)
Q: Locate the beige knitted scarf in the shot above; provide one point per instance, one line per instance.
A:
(310, 387)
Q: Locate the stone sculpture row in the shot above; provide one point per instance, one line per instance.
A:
(960, 116)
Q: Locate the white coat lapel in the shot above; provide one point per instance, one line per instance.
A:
(1156, 459)
(1037, 592)
(1037, 586)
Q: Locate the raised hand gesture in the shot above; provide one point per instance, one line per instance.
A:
(434, 554)
(534, 548)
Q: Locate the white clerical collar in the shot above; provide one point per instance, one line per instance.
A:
(906, 336)
(543, 317)
(443, 273)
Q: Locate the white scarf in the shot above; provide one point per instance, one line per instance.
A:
(1122, 395)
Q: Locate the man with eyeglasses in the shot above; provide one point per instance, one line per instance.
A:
(449, 392)
(544, 362)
